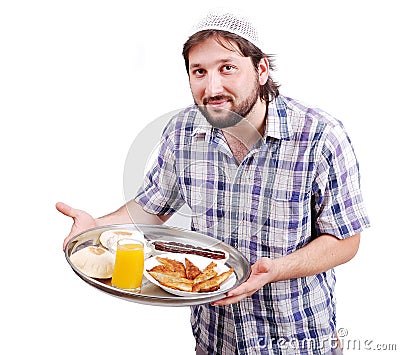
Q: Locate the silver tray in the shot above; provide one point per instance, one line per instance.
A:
(151, 294)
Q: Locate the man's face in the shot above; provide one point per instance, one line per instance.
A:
(224, 84)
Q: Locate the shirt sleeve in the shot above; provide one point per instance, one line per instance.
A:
(159, 193)
(339, 204)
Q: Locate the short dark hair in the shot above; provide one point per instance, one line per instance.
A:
(270, 89)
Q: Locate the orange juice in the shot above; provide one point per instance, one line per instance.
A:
(129, 265)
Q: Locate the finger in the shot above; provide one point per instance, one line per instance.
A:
(244, 288)
(229, 300)
(66, 210)
(235, 295)
(66, 240)
(260, 268)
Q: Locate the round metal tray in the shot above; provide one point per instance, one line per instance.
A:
(151, 294)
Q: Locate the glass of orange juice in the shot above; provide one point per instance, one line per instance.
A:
(129, 265)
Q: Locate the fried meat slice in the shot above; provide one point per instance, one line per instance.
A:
(177, 266)
(192, 271)
(208, 273)
(164, 269)
(212, 284)
(177, 283)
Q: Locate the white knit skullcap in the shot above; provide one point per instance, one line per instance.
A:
(230, 22)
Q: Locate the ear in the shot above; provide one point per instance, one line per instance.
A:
(263, 71)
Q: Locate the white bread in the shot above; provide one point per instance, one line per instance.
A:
(93, 261)
(109, 238)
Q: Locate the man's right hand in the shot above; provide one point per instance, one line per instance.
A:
(82, 220)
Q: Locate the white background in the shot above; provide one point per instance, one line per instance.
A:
(80, 79)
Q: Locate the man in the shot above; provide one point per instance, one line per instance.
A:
(265, 174)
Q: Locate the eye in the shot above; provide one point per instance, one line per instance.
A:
(198, 73)
(228, 69)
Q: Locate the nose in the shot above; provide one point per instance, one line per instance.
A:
(214, 85)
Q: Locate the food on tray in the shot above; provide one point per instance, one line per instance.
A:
(165, 269)
(170, 274)
(177, 283)
(94, 261)
(175, 247)
(192, 271)
(213, 283)
(113, 235)
(109, 238)
(175, 265)
(208, 273)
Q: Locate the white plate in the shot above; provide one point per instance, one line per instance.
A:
(201, 262)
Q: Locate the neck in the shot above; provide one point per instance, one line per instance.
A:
(249, 130)
(257, 116)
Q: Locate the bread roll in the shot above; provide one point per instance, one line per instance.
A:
(95, 262)
(109, 238)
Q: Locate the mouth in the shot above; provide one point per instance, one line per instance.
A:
(217, 102)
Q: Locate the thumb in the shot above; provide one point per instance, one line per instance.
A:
(261, 266)
(66, 210)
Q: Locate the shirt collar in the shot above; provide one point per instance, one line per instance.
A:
(278, 125)
(202, 129)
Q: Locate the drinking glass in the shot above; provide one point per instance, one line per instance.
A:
(129, 265)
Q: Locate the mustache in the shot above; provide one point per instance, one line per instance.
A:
(211, 99)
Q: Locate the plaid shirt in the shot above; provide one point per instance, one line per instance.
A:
(299, 181)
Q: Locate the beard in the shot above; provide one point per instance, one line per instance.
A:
(223, 118)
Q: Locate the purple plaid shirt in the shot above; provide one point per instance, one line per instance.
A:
(299, 181)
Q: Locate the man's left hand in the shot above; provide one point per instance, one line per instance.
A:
(261, 274)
